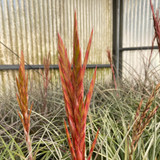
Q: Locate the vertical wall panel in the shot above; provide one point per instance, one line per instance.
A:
(32, 27)
(138, 31)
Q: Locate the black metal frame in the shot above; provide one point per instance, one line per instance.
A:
(29, 67)
(138, 48)
(117, 35)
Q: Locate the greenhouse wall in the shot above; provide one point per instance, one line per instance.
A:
(32, 27)
(138, 31)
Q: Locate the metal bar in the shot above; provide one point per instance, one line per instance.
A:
(121, 38)
(138, 48)
(27, 67)
(116, 35)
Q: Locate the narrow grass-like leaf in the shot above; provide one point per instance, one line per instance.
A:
(7, 148)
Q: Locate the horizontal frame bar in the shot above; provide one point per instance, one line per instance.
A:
(138, 48)
(29, 67)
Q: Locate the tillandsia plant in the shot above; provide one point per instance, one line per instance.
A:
(111, 64)
(143, 119)
(73, 91)
(46, 81)
(22, 98)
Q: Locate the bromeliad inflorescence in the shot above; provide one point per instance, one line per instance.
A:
(73, 90)
(22, 98)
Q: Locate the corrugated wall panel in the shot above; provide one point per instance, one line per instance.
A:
(32, 27)
(138, 31)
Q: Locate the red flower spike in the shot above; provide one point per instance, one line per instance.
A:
(143, 118)
(112, 67)
(73, 91)
(22, 98)
(156, 20)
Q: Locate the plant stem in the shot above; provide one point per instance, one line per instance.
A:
(155, 136)
(29, 145)
(126, 147)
